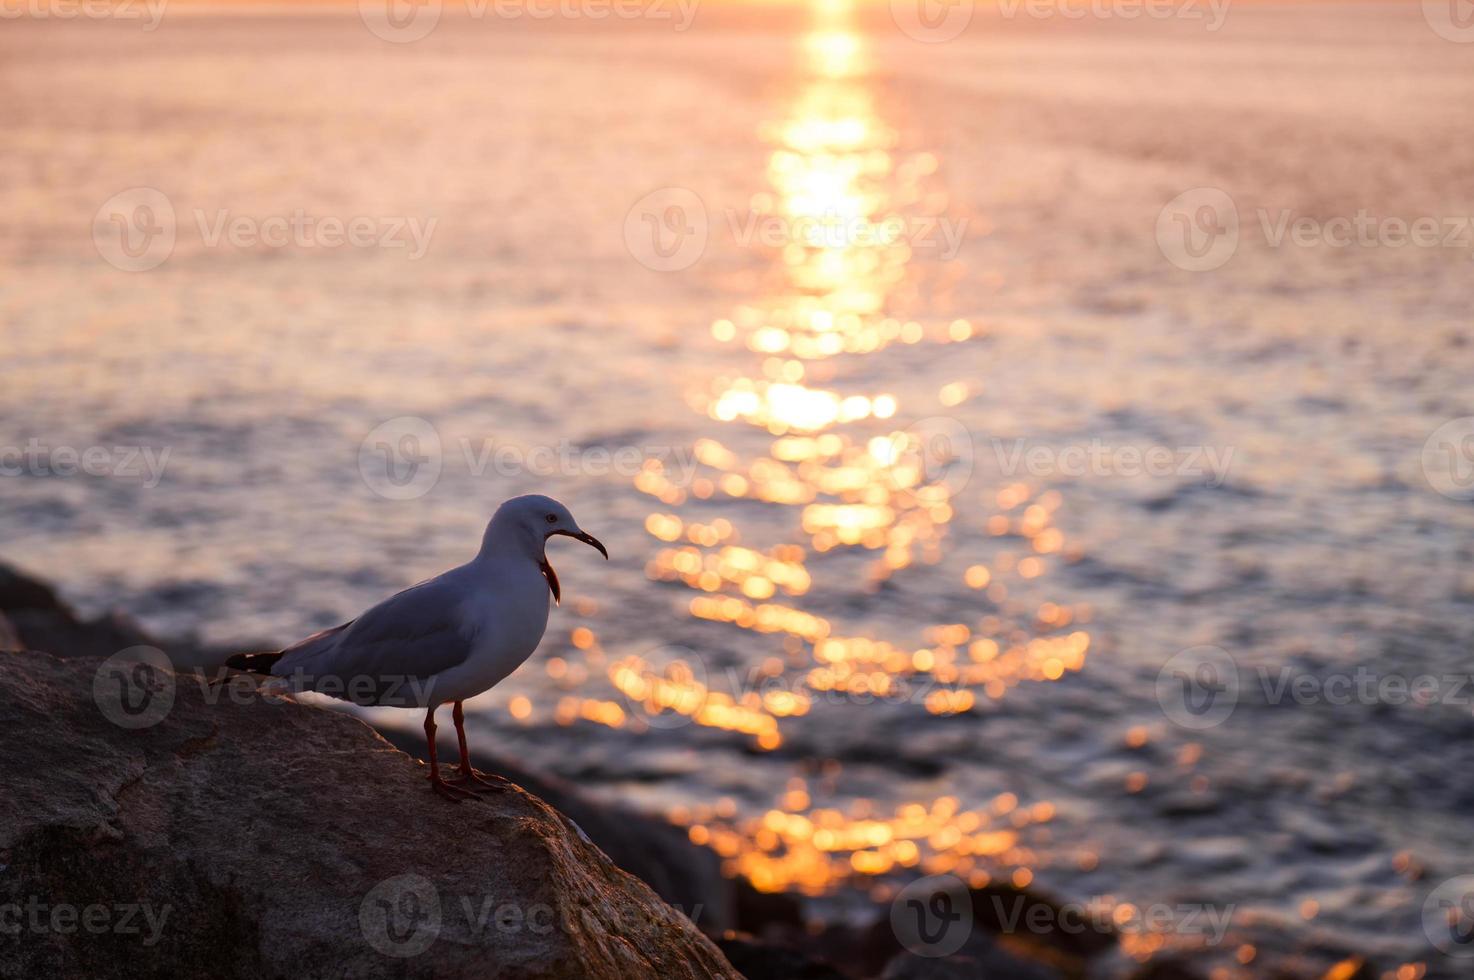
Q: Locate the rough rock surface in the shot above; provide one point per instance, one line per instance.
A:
(240, 837)
(658, 853)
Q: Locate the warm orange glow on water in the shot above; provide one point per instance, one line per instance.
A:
(855, 477)
(798, 847)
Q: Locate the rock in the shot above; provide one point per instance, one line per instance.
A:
(21, 592)
(757, 911)
(1038, 920)
(101, 637)
(769, 961)
(1188, 803)
(910, 967)
(251, 839)
(978, 960)
(1167, 968)
(44, 622)
(9, 638)
(658, 853)
(849, 950)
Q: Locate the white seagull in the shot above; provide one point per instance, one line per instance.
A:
(448, 638)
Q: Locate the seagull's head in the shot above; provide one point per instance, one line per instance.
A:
(531, 520)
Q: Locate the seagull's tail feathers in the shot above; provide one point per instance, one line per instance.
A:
(250, 663)
(254, 663)
(261, 663)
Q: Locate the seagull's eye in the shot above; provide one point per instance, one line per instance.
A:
(552, 518)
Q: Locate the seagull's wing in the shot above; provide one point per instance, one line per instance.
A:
(392, 648)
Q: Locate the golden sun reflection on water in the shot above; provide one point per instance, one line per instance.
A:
(853, 480)
(797, 847)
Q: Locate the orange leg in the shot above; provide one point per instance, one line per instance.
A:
(439, 785)
(468, 776)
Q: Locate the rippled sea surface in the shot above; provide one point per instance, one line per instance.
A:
(917, 456)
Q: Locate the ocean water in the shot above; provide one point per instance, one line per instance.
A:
(936, 465)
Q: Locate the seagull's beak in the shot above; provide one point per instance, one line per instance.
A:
(587, 539)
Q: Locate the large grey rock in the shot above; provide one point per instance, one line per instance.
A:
(42, 621)
(251, 839)
(19, 591)
(656, 852)
(769, 961)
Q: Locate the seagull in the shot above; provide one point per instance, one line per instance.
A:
(445, 640)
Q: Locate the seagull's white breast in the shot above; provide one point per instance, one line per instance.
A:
(506, 615)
